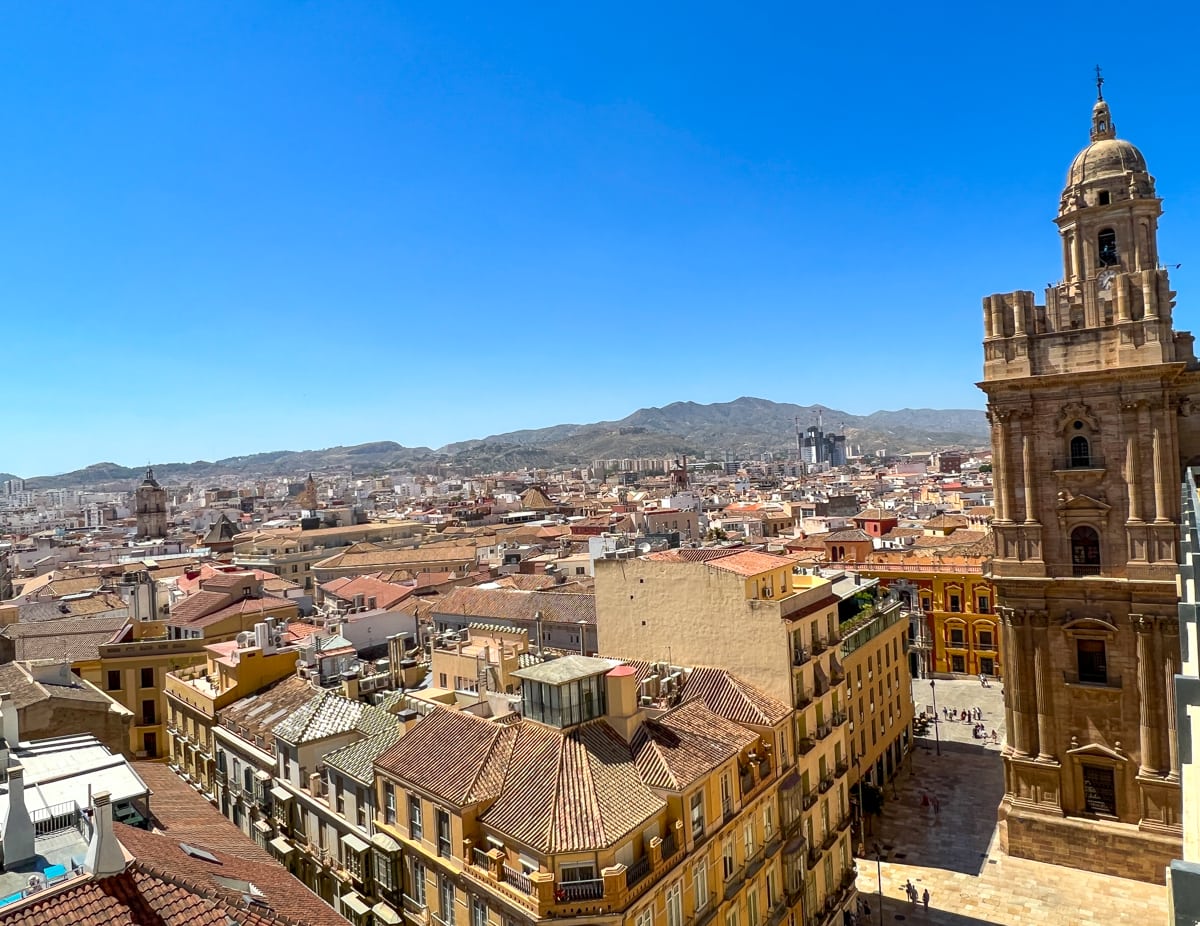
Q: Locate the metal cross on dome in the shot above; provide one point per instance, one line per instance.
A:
(1099, 84)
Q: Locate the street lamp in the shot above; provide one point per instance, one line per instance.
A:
(879, 879)
(937, 736)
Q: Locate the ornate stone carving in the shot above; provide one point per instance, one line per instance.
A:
(1077, 411)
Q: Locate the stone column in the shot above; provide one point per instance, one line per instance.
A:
(1160, 485)
(1149, 296)
(988, 328)
(1121, 295)
(1027, 473)
(1019, 682)
(1008, 655)
(1133, 476)
(1001, 472)
(1042, 687)
(1169, 633)
(1146, 681)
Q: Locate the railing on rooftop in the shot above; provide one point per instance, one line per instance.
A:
(863, 628)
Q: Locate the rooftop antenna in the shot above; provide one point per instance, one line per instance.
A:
(1099, 85)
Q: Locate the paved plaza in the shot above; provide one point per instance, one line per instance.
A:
(950, 845)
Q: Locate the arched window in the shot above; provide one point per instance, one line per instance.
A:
(1080, 451)
(1085, 551)
(1106, 247)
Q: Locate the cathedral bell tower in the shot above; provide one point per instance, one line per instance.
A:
(150, 507)
(1089, 397)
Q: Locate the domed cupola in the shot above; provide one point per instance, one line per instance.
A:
(1107, 171)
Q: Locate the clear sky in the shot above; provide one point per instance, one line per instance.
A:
(257, 226)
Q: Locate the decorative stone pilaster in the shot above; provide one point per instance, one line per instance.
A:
(1147, 679)
(1133, 475)
(1002, 479)
(1027, 472)
(1006, 641)
(1169, 630)
(1041, 679)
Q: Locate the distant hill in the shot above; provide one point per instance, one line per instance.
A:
(377, 456)
(746, 427)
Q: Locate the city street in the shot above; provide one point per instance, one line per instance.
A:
(949, 844)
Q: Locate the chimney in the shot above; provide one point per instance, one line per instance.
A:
(624, 716)
(104, 854)
(9, 725)
(18, 829)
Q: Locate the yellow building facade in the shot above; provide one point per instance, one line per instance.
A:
(764, 621)
(193, 695)
(608, 804)
(958, 632)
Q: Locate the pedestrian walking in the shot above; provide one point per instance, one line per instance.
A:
(925, 899)
(982, 681)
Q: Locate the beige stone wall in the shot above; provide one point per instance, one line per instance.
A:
(690, 614)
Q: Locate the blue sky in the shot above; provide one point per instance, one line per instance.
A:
(257, 226)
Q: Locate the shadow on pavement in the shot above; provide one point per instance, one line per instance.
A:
(940, 811)
(900, 911)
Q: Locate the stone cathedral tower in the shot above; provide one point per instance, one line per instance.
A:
(150, 506)
(1090, 399)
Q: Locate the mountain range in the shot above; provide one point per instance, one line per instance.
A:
(745, 427)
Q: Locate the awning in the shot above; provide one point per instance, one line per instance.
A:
(282, 846)
(385, 842)
(385, 915)
(281, 794)
(790, 781)
(794, 846)
(262, 826)
(354, 844)
(355, 904)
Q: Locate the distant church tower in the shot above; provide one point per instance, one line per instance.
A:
(1089, 398)
(151, 508)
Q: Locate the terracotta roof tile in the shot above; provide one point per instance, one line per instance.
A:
(516, 605)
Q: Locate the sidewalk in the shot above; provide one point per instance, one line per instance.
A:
(954, 852)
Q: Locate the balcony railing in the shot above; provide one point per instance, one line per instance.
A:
(589, 889)
(806, 744)
(1090, 680)
(637, 871)
(518, 879)
(810, 798)
(818, 646)
(727, 809)
(826, 783)
(804, 697)
(412, 905)
(1088, 462)
(823, 730)
(800, 655)
(841, 768)
(839, 718)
